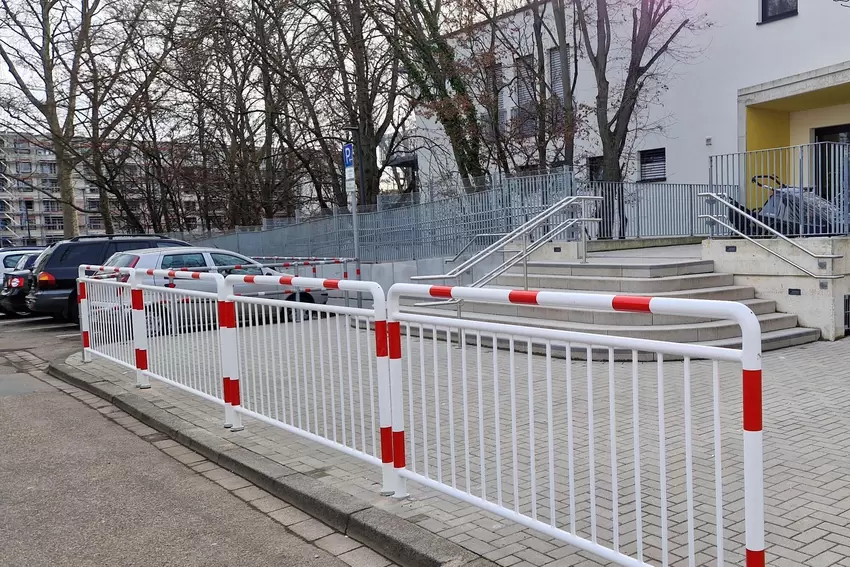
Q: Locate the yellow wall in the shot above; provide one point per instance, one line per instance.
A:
(766, 129)
(804, 121)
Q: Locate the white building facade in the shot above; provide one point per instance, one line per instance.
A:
(763, 74)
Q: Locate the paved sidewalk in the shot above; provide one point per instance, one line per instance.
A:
(807, 456)
(86, 484)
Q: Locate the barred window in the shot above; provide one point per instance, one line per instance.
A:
(653, 165)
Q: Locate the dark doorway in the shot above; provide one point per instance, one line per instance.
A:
(832, 167)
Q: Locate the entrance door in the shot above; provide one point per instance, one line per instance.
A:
(833, 170)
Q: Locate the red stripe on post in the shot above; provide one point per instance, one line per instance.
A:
(149, 272)
(141, 359)
(81, 294)
(631, 303)
(136, 300)
(345, 275)
(755, 558)
(527, 297)
(398, 449)
(227, 314)
(86, 343)
(394, 339)
(358, 271)
(235, 395)
(752, 400)
(386, 445)
(381, 338)
(172, 274)
(331, 284)
(443, 291)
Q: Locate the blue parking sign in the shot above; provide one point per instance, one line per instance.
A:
(348, 155)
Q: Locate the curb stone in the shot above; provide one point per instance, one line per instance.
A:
(392, 536)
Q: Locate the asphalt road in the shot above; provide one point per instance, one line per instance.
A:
(80, 490)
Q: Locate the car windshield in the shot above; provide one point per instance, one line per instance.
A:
(122, 261)
(26, 262)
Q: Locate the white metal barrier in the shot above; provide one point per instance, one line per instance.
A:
(539, 440)
(312, 369)
(500, 416)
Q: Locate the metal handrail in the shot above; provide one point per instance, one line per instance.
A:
(521, 231)
(722, 198)
(514, 260)
(777, 254)
(471, 241)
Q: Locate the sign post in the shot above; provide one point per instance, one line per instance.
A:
(351, 190)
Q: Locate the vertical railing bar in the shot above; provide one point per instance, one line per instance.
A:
(689, 465)
(550, 418)
(590, 444)
(570, 439)
(636, 433)
(615, 498)
(718, 468)
(662, 461)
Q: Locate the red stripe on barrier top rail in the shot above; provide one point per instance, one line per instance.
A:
(632, 303)
(286, 280)
(526, 297)
(331, 284)
(440, 291)
(249, 279)
(752, 400)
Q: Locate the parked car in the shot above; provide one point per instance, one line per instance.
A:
(164, 313)
(15, 285)
(9, 257)
(52, 285)
(791, 211)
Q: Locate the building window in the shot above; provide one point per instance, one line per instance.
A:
(524, 114)
(595, 169)
(95, 223)
(51, 206)
(772, 10)
(653, 165)
(24, 167)
(93, 204)
(47, 168)
(28, 205)
(54, 223)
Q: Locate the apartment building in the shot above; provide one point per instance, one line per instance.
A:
(764, 74)
(30, 212)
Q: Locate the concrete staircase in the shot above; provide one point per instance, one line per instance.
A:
(677, 278)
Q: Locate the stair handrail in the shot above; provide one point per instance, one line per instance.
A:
(514, 260)
(471, 241)
(521, 231)
(721, 198)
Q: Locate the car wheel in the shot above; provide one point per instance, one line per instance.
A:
(296, 314)
(156, 321)
(72, 311)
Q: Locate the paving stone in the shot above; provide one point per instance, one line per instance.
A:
(311, 529)
(364, 557)
(289, 515)
(337, 544)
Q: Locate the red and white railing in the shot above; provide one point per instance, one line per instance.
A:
(473, 385)
(434, 399)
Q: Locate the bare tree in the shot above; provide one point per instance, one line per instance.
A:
(43, 49)
(656, 27)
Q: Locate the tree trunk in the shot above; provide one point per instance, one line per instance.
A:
(66, 190)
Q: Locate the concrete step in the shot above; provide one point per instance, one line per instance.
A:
(623, 270)
(602, 284)
(592, 316)
(680, 333)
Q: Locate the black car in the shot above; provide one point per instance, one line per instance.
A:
(15, 285)
(52, 285)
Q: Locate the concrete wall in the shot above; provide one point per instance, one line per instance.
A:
(817, 302)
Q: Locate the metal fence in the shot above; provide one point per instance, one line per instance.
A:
(799, 190)
(621, 460)
(440, 228)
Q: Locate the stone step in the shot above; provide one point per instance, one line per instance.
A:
(624, 270)
(593, 316)
(680, 333)
(599, 284)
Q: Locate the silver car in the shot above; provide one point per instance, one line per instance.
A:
(164, 312)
